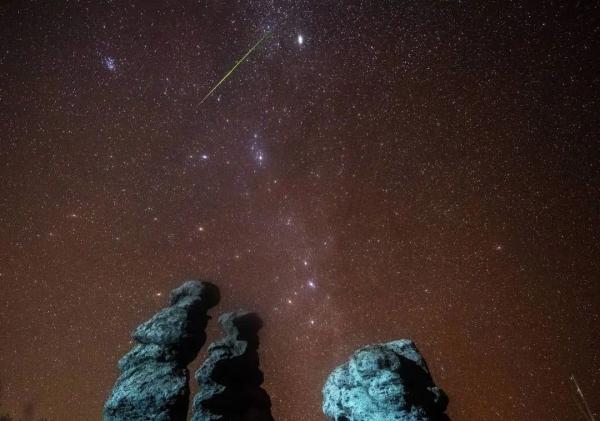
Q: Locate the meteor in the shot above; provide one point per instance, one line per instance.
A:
(581, 401)
(240, 61)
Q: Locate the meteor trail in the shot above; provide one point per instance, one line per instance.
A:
(240, 61)
(581, 401)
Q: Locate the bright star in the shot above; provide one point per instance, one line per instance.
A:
(312, 284)
(300, 39)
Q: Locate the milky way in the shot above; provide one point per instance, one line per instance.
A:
(415, 169)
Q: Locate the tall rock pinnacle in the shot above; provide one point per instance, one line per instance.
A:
(230, 378)
(154, 377)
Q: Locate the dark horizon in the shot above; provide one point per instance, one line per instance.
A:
(372, 171)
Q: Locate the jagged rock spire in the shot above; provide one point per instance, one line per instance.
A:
(230, 378)
(153, 384)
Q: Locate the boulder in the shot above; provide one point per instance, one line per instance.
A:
(384, 382)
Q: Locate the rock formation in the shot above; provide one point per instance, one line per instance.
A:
(153, 384)
(384, 382)
(230, 378)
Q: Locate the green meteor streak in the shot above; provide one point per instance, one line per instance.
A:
(240, 61)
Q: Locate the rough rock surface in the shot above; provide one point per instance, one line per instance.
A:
(384, 382)
(230, 378)
(153, 384)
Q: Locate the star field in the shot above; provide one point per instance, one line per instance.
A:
(372, 171)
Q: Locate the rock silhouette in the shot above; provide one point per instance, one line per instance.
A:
(153, 384)
(230, 378)
(384, 382)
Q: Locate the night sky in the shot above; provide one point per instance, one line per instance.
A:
(373, 171)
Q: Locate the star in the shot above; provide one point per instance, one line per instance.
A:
(356, 158)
